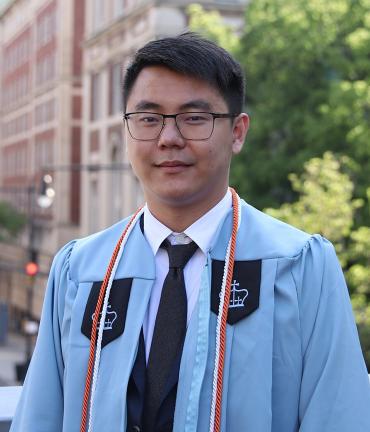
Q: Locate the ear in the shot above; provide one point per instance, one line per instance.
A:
(240, 129)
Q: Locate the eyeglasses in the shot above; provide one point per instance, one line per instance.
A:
(197, 126)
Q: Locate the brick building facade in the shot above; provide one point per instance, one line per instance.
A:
(40, 123)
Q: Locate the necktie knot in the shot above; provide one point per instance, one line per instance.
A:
(179, 254)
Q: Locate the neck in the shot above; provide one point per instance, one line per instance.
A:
(178, 218)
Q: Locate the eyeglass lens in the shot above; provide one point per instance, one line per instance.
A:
(191, 125)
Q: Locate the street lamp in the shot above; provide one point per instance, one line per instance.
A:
(44, 198)
(47, 193)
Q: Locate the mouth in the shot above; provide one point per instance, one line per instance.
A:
(173, 166)
(172, 163)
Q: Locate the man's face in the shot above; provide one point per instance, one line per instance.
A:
(178, 172)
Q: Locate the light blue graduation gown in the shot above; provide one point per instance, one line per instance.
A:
(294, 364)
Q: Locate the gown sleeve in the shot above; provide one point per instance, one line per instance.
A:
(335, 388)
(41, 403)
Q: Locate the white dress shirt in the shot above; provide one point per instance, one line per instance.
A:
(202, 232)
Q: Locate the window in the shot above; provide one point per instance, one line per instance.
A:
(15, 160)
(115, 88)
(22, 161)
(116, 192)
(43, 153)
(96, 105)
(17, 54)
(45, 112)
(49, 67)
(94, 206)
(45, 69)
(46, 28)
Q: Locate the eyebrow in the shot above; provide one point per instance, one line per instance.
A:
(199, 104)
(196, 104)
(146, 105)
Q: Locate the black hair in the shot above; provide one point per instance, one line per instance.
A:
(192, 55)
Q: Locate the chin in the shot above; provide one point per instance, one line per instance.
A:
(177, 197)
(174, 196)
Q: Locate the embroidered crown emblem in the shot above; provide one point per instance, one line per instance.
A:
(110, 317)
(237, 296)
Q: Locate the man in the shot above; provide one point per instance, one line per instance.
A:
(252, 331)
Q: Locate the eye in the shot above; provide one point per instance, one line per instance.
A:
(195, 118)
(148, 119)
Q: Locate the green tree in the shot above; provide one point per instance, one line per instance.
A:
(308, 90)
(358, 276)
(325, 205)
(359, 256)
(211, 25)
(11, 221)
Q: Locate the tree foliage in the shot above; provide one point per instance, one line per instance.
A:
(325, 205)
(211, 25)
(11, 221)
(308, 91)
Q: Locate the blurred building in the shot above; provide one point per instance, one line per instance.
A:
(41, 104)
(40, 122)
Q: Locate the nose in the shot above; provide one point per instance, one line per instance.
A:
(170, 135)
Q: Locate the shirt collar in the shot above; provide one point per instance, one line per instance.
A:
(154, 231)
(201, 231)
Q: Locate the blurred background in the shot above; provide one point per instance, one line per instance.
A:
(63, 167)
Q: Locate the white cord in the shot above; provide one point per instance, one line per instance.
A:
(102, 320)
(218, 327)
(218, 337)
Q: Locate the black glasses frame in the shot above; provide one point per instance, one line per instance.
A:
(174, 116)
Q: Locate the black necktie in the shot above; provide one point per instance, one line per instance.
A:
(169, 330)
